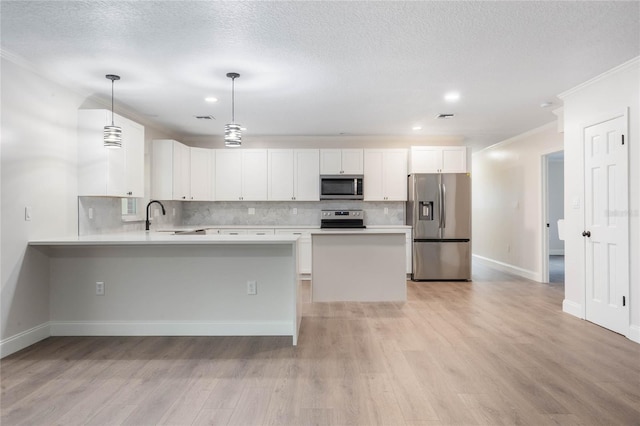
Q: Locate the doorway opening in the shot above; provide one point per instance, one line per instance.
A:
(553, 214)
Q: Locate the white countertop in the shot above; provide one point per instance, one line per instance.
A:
(167, 237)
(163, 238)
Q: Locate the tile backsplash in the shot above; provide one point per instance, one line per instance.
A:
(106, 214)
(273, 213)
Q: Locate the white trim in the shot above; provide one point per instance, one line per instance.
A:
(520, 136)
(505, 267)
(556, 252)
(176, 328)
(634, 333)
(572, 308)
(26, 338)
(596, 79)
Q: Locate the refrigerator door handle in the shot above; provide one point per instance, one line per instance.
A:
(444, 207)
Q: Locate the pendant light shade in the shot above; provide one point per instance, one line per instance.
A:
(112, 133)
(232, 132)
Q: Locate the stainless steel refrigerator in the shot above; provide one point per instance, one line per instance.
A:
(439, 210)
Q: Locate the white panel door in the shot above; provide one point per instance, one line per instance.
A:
(426, 159)
(181, 171)
(454, 159)
(607, 225)
(133, 145)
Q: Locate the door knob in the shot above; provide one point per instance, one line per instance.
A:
(586, 233)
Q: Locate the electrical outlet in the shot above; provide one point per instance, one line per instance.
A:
(90, 212)
(99, 288)
(27, 213)
(252, 287)
(252, 210)
(386, 210)
(173, 212)
(294, 210)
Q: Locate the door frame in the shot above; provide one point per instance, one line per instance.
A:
(599, 119)
(544, 204)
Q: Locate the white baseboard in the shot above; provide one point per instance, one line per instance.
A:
(26, 338)
(572, 308)
(177, 328)
(556, 252)
(634, 333)
(505, 267)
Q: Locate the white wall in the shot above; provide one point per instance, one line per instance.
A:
(602, 97)
(38, 164)
(508, 221)
(38, 156)
(555, 191)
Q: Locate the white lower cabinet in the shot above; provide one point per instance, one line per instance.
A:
(304, 244)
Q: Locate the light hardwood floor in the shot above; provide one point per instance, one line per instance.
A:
(495, 351)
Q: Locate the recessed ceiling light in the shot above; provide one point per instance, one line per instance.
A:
(416, 128)
(452, 96)
(211, 99)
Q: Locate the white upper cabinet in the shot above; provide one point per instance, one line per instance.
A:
(104, 171)
(228, 174)
(170, 170)
(306, 183)
(385, 174)
(254, 175)
(341, 161)
(202, 176)
(241, 174)
(438, 159)
(293, 175)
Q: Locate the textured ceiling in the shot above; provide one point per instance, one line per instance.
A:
(327, 68)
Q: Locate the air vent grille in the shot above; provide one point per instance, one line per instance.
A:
(205, 117)
(444, 116)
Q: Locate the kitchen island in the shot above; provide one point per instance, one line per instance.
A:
(359, 265)
(157, 283)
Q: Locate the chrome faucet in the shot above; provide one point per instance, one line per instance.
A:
(148, 222)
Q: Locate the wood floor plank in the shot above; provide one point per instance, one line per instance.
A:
(495, 351)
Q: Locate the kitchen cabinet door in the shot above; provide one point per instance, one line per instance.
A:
(254, 175)
(341, 161)
(107, 171)
(281, 175)
(385, 174)
(181, 172)
(170, 170)
(438, 159)
(454, 159)
(133, 145)
(228, 175)
(352, 161)
(306, 175)
(330, 161)
(201, 176)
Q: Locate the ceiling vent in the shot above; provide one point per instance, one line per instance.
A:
(205, 117)
(444, 116)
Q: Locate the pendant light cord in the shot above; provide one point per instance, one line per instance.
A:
(233, 100)
(112, 102)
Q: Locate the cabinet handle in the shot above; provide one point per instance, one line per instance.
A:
(129, 193)
(184, 198)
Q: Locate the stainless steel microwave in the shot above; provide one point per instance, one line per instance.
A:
(341, 187)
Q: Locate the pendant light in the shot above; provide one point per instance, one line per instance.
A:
(112, 133)
(232, 132)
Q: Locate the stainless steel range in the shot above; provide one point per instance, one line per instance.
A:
(342, 219)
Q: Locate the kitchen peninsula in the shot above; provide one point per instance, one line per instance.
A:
(157, 283)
